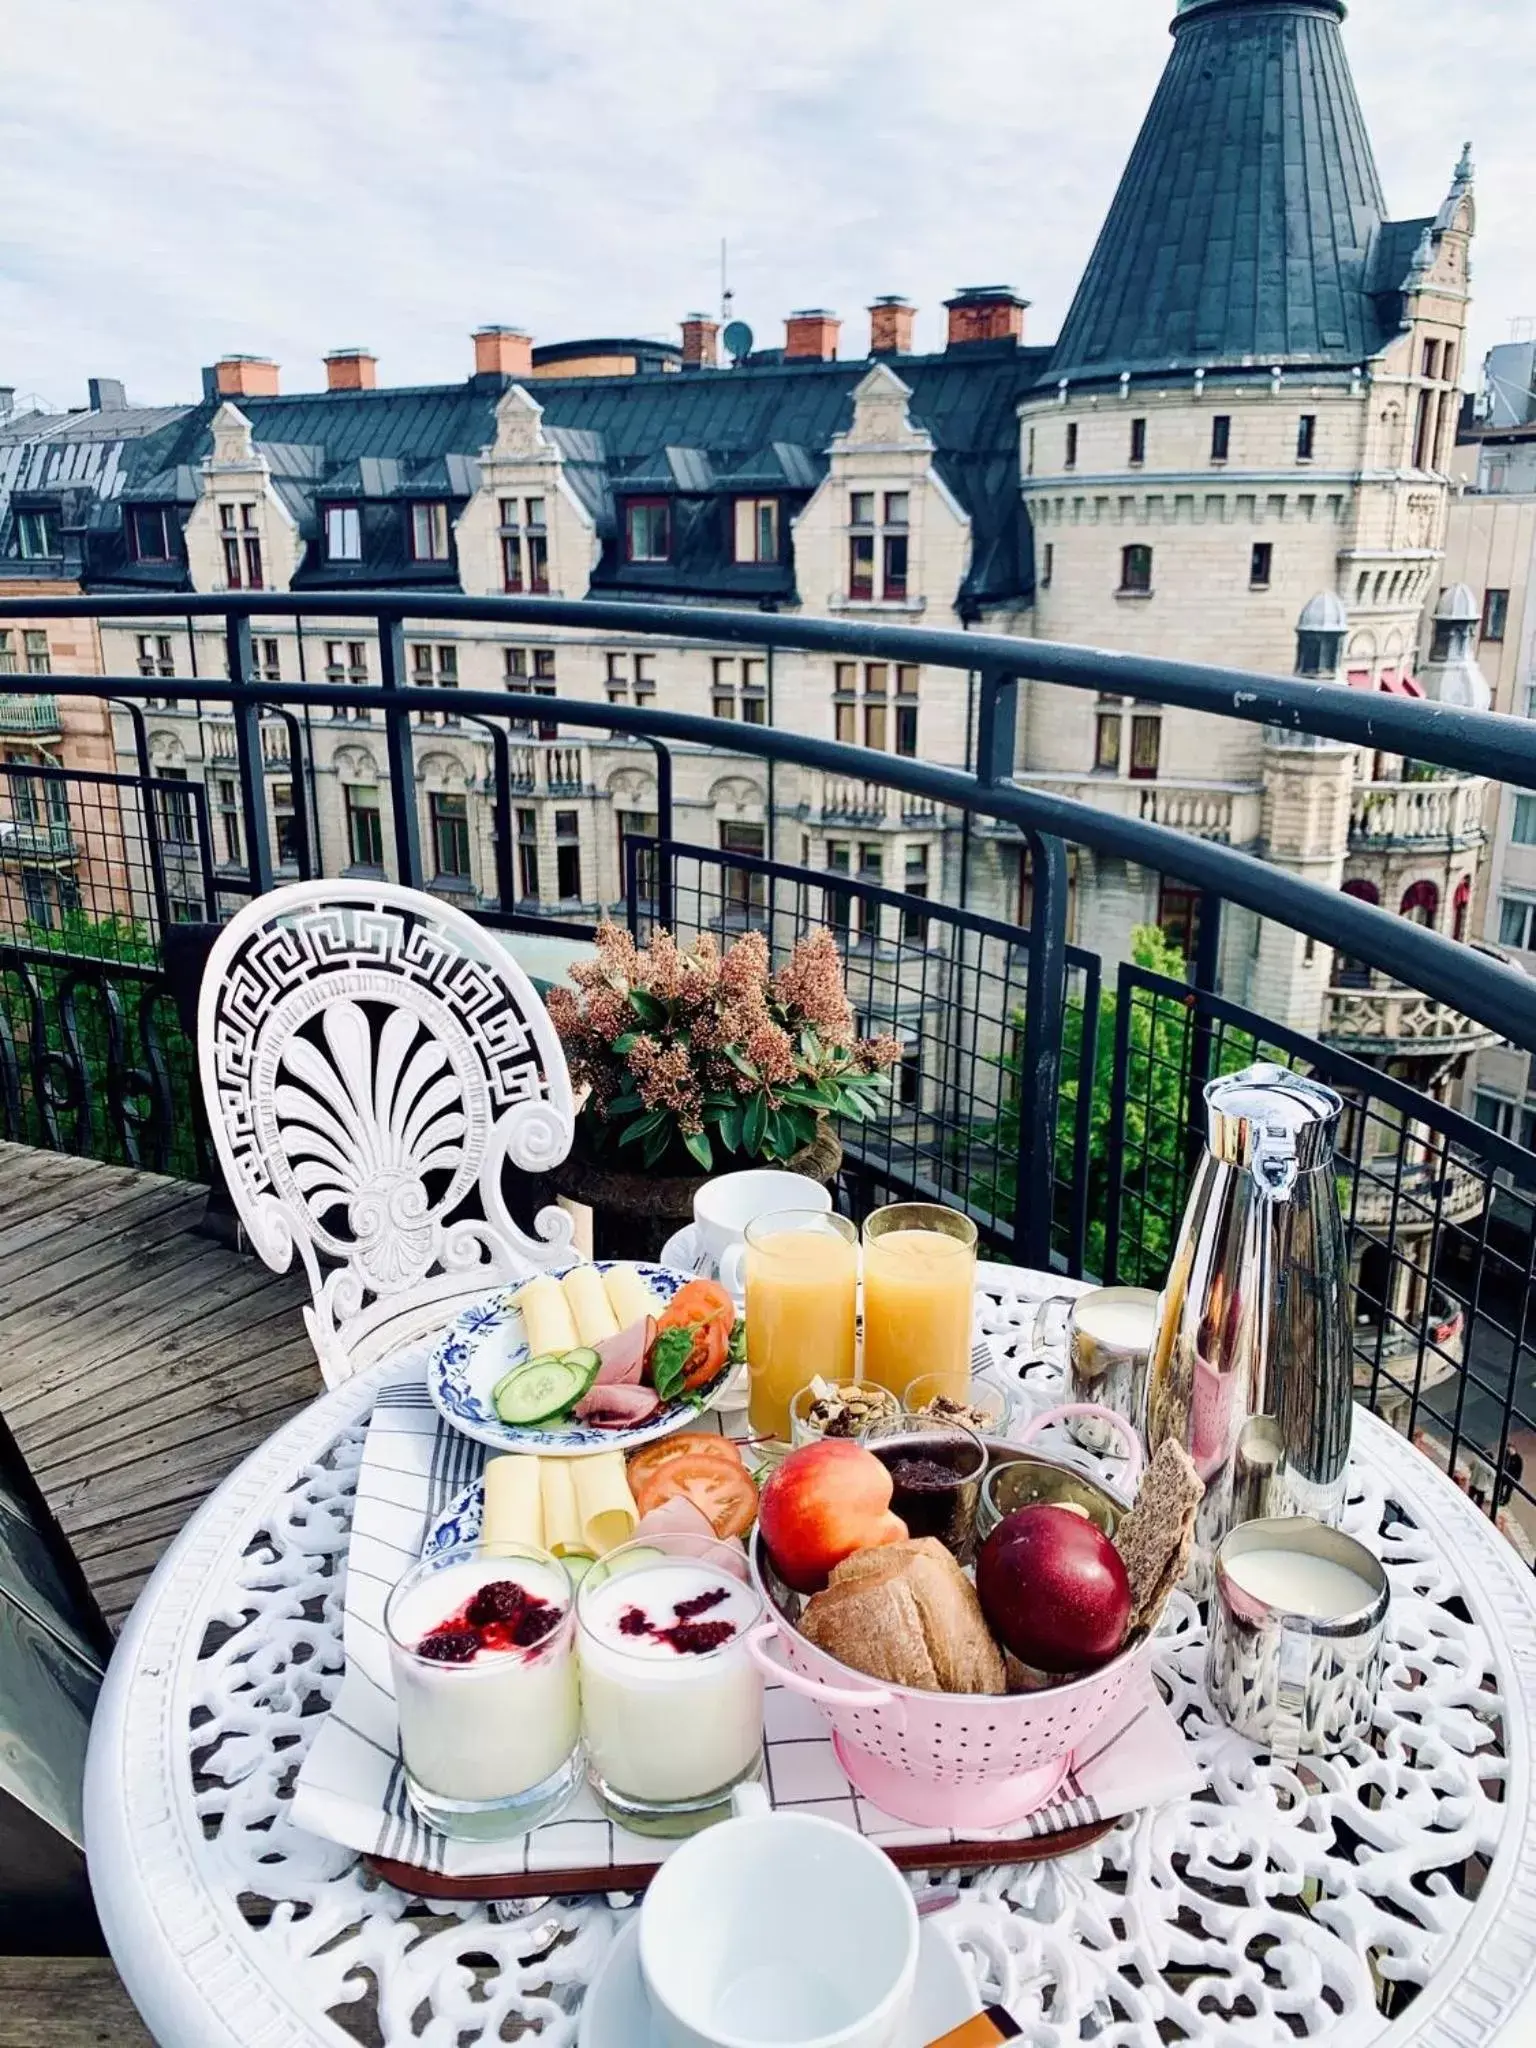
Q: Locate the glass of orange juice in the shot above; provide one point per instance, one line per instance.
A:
(802, 1281)
(919, 1280)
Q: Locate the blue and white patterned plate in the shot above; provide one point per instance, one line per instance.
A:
(486, 1340)
(460, 1522)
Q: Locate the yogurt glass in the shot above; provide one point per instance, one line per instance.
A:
(482, 1649)
(671, 1700)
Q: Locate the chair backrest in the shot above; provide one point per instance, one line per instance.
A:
(372, 1063)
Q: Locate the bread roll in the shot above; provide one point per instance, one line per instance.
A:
(907, 1614)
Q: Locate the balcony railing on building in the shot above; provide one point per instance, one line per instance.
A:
(1054, 1095)
(1443, 815)
(30, 717)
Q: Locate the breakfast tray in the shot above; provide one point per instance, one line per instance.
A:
(351, 1788)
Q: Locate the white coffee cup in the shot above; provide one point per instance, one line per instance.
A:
(724, 1207)
(778, 1927)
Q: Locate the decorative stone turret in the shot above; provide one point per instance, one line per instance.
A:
(1451, 674)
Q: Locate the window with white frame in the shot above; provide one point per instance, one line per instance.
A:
(429, 532)
(343, 533)
(151, 533)
(878, 542)
(435, 665)
(875, 703)
(240, 537)
(1522, 823)
(365, 830)
(266, 658)
(530, 672)
(524, 545)
(1517, 922)
(35, 645)
(346, 661)
(37, 534)
(740, 688)
(757, 530)
(157, 655)
(227, 800)
(648, 530)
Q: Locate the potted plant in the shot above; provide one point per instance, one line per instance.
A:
(696, 1061)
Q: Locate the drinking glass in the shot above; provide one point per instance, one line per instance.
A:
(802, 1286)
(491, 1742)
(673, 1721)
(882, 1408)
(988, 1404)
(919, 1285)
(936, 1472)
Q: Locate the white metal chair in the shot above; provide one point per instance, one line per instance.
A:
(373, 1062)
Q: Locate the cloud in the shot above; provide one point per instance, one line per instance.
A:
(287, 178)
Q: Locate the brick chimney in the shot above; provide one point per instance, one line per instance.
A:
(890, 326)
(503, 352)
(351, 369)
(985, 312)
(245, 377)
(811, 335)
(700, 335)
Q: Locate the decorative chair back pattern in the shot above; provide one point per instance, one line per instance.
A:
(372, 1062)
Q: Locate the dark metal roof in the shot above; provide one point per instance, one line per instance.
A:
(1250, 222)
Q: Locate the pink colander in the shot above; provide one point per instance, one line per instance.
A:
(951, 1760)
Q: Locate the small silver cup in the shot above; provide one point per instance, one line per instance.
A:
(1295, 1652)
(1110, 1334)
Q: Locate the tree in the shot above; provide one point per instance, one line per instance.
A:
(1154, 1161)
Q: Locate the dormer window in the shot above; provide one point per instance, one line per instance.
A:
(757, 529)
(37, 535)
(524, 545)
(343, 533)
(429, 533)
(648, 530)
(242, 547)
(150, 533)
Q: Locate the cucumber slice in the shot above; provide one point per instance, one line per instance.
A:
(543, 1388)
(577, 1564)
(586, 1358)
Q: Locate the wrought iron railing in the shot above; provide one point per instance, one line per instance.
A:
(1059, 1103)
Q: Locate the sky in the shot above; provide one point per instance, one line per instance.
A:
(188, 180)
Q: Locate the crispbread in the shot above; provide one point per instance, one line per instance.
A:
(874, 1625)
(1154, 1538)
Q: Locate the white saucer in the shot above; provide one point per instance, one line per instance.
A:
(617, 2012)
(682, 1249)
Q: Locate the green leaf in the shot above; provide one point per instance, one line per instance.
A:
(656, 1144)
(643, 1126)
(669, 1362)
(755, 1123)
(648, 1008)
(625, 1042)
(729, 1127)
(736, 1353)
(742, 1064)
(700, 1148)
(624, 1105)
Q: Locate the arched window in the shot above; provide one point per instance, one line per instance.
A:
(1421, 902)
(1461, 904)
(1348, 973)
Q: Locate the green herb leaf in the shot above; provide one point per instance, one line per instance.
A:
(669, 1362)
(700, 1149)
(755, 1123)
(643, 1127)
(737, 1352)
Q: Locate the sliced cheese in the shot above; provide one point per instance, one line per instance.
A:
(604, 1502)
(514, 1511)
(547, 1320)
(588, 1300)
(629, 1297)
(557, 1494)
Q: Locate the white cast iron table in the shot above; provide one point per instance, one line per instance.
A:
(1385, 1897)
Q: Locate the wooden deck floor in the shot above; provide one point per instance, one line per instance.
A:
(139, 1361)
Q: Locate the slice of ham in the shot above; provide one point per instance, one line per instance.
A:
(623, 1356)
(618, 1406)
(679, 1516)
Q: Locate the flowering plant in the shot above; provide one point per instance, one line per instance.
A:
(709, 1051)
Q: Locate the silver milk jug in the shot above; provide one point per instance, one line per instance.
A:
(1252, 1365)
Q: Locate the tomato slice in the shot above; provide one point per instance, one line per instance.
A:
(725, 1493)
(694, 1302)
(711, 1347)
(697, 1443)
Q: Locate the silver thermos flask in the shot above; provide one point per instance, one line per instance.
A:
(1251, 1368)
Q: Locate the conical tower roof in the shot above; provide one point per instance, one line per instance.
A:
(1249, 218)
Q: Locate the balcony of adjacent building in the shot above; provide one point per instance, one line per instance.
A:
(1367, 1013)
(1226, 813)
(1443, 814)
(37, 842)
(32, 717)
(221, 743)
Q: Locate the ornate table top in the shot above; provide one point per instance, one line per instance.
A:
(1386, 1896)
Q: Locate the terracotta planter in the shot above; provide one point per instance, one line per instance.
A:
(634, 1213)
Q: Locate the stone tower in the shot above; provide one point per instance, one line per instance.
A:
(1249, 410)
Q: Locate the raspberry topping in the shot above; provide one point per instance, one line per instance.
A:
(501, 1600)
(449, 1645)
(633, 1623)
(685, 1610)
